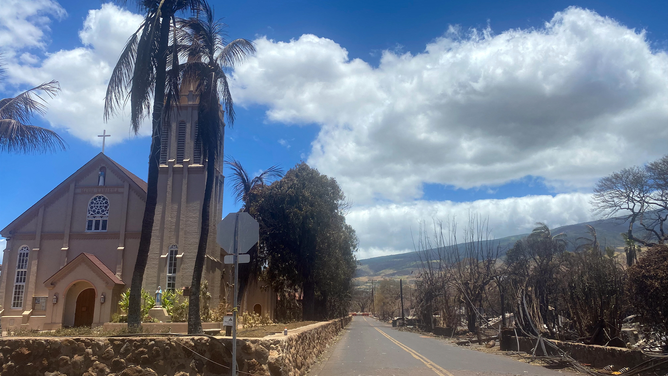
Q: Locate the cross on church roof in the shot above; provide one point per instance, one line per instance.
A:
(104, 136)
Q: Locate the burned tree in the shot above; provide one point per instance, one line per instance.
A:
(640, 195)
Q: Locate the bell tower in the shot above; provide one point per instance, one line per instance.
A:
(181, 183)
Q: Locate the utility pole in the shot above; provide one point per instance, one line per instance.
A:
(401, 292)
(373, 301)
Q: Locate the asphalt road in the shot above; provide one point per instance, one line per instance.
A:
(369, 347)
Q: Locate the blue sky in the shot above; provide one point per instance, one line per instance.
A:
(421, 111)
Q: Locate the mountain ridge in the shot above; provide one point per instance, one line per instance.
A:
(406, 265)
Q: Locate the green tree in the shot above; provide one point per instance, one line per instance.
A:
(16, 136)
(308, 244)
(208, 55)
(141, 75)
(250, 191)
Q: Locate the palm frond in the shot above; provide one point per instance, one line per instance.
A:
(18, 137)
(268, 175)
(143, 75)
(226, 99)
(235, 52)
(23, 106)
(241, 183)
(119, 83)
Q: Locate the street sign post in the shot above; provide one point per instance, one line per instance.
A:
(241, 259)
(237, 234)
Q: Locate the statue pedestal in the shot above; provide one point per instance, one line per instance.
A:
(159, 314)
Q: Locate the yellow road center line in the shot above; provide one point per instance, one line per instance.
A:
(440, 371)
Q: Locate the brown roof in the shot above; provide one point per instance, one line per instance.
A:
(96, 261)
(103, 267)
(140, 182)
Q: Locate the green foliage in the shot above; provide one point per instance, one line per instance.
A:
(288, 308)
(147, 302)
(305, 241)
(176, 305)
(253, 320)
(649, 292)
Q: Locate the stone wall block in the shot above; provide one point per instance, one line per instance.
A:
(170, 356)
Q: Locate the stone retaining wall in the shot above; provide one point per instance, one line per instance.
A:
(596, 356)
(290, 355)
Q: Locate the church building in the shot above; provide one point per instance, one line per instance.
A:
(70, 256)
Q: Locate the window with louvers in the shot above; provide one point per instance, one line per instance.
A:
(197, 152)
(181, 143)
(164, 145)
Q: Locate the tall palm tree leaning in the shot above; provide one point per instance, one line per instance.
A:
(18, 137)
(209, 55)
(141, 72)
(242, 186)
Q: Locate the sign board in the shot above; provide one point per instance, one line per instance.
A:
(241, 259)
(249, 231)
(228, 320)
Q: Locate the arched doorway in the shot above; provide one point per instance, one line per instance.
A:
(258, 309)
(85, 307)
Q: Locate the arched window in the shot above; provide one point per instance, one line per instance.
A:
(164, 144)
(98, 214)
(171, 267)
(21, 275)
(257, 309)
(102, 176)
(181, 143)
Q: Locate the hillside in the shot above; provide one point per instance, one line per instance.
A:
(406, 264)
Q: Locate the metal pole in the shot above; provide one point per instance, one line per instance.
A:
(373, 301)
(401, 292)
(236, 291)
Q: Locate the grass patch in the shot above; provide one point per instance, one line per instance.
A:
(263, 331)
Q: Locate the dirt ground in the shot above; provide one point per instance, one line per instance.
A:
(262, 331)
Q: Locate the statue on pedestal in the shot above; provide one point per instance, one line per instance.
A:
(158, 297)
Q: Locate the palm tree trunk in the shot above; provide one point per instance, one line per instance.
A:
(194, 318)
(134, 307)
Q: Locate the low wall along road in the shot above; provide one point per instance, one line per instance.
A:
(289, 355)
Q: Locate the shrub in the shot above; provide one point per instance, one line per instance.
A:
(252, 320)
(147, 302)
(176, 305)
(649, 293)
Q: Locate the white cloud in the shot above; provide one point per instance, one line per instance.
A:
(569, 102)
(284, 143)
(83, 74)
(386, 228)
(23, 23)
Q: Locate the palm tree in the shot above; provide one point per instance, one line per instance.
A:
(244, 188)
(243, 184)
(19, 137)
(209, 55)
(140, 75)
